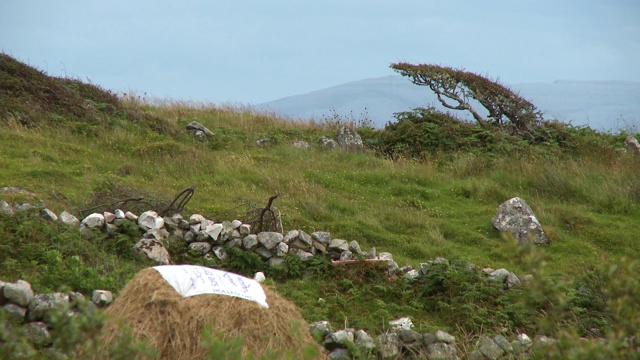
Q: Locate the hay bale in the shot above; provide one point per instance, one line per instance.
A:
(157, 314)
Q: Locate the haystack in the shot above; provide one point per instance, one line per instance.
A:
(157, 314)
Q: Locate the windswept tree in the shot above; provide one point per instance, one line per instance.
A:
(457, 88)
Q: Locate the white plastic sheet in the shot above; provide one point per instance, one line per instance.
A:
(190, 280)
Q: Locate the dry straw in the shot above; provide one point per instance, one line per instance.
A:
(157, 314)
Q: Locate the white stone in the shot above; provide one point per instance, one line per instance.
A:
(93, 221)
(152, 249)
(259, 277)
(150, 220)
(119, 214)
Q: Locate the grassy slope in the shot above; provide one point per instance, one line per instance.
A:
(415, 210)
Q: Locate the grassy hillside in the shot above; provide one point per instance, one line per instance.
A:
(68, 141)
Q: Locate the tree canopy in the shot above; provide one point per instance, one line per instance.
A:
(455, 88)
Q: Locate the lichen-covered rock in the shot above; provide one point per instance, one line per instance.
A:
(250, 242)
(19, 293)
(364, 340)
(41, 304)
(152, 249)
(15, 314)
(388, 345)
(441, 351)
(269, 239)
(490, 349)
(349, 139)
(338, 245)
(38, 333)
(516, 217)
(327, 144)
(322, 237)
(200, 247)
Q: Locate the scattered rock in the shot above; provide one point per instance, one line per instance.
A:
(516, 217)
(152, 249)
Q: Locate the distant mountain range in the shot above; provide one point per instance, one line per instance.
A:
(602, 105)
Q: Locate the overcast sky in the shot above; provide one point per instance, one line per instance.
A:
(248, 52)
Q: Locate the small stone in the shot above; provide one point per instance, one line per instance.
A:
(15, 314)
(109, 217)
(38, 333)
(40, 305)
(524, 339)
(50, 214)
(234, 243)
(428, 339)
(503, 343)
(263, 252)
(441, 351)
(235, 224)
(320, 329)
(512, 281)
(270, 239)
(219, 252)
(200, 247)
(490, 349)
(19, 293)
(6, 208)
(130, 216)
(152, 249)
(388, 345)
(93, 221)
(371, 254)
(244, 229)
(189, 237)
(102, 298)
(250, 242)
(196, 219)
(291, 235)
(322, 237)
(150, 220)
(213, 231)
(341, 337)
(319, 247)
(499, 275)
(303, 255)
(259, 277)
(119, 214)
(340, 354)
(445, 337)
(275, 261)
(409, 336)
(337, 245)
(282, 249)
(363, 339)
(346, 255)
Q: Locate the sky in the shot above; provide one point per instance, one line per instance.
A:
(247, 52)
